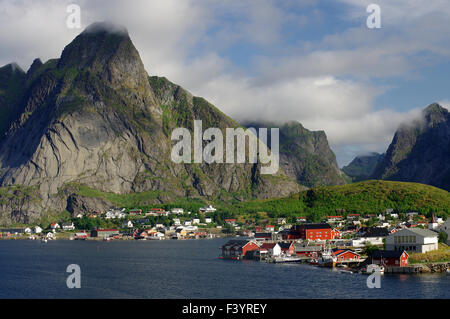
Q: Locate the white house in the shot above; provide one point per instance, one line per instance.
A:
(413, 240)
(127, 223)
(177, 211)
(446, 228)
(55, 226)
(176, 221)
(188, 223)
(363, 241)
(68, 226)
(207, 209)
(196, 221)
(27, 230)
(37, 230)
(208, 220)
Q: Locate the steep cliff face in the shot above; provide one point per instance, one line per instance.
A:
(420, 151)
(363, 166)
(306, 155)
(95, 118)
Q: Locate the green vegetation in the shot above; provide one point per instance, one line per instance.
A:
(440, 255)
(316, 203)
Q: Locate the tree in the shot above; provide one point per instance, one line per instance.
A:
(443, 237)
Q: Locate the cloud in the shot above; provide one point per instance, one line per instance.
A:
(326, 82)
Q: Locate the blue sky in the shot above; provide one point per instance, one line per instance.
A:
(314, 61)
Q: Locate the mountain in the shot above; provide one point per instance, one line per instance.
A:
(305, 156)
(420, 151)
(363, 166)
(94, 118)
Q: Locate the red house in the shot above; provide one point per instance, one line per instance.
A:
(395, 258)
(135, 212)
(237, 249)
(287, 248)
(345, 255)
(314, 232)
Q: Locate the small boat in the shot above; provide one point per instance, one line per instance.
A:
(327, 260)
(44, 240)
(447, 271)
(284, 259)
(107, 239)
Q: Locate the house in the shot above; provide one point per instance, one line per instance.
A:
(301, 219)
(50, 235)
(177, 211)
(413, 239)
(281, 221)
(335, 233)
(27, 230)
(207, 209)
(156, 212)
(287, 248)
(68, 226)
(196, 221)
(231, 221)
(82, 235)
(127, 223)
(104, 233)
(270, 228)
(320, 231)
(135, 212)
(263, 236)
(307, 251)
(79, 215)
(433, 224)
(345, 255)
(332, 219)
(55, 226)
(176, 221)
(446, 229)
(37, 229)
(396, 258)
(353, 216)
(208, 220)
(187, 222)
(238, 249)
(273, 249)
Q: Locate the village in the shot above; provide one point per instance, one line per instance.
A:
(350, 242)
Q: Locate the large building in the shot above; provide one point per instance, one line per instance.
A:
(413, 240)
(322, 231)
(104, 233)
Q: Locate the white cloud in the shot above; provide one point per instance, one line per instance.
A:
(324, 84)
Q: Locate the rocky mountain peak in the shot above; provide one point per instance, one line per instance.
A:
(435, 114)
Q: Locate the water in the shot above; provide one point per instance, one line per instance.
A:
(183, 269)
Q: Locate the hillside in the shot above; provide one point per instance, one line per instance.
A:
(363, 197)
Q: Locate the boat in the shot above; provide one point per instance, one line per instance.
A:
(327, 260)
(447, 271)
(284, 259)
(44, 240)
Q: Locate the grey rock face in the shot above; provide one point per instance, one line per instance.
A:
(95, 118)
(420, 151)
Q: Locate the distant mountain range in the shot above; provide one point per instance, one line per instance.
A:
(362, 167)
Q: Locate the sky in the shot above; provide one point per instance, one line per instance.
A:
(313, 61)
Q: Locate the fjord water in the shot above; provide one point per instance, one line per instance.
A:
(183, 269)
